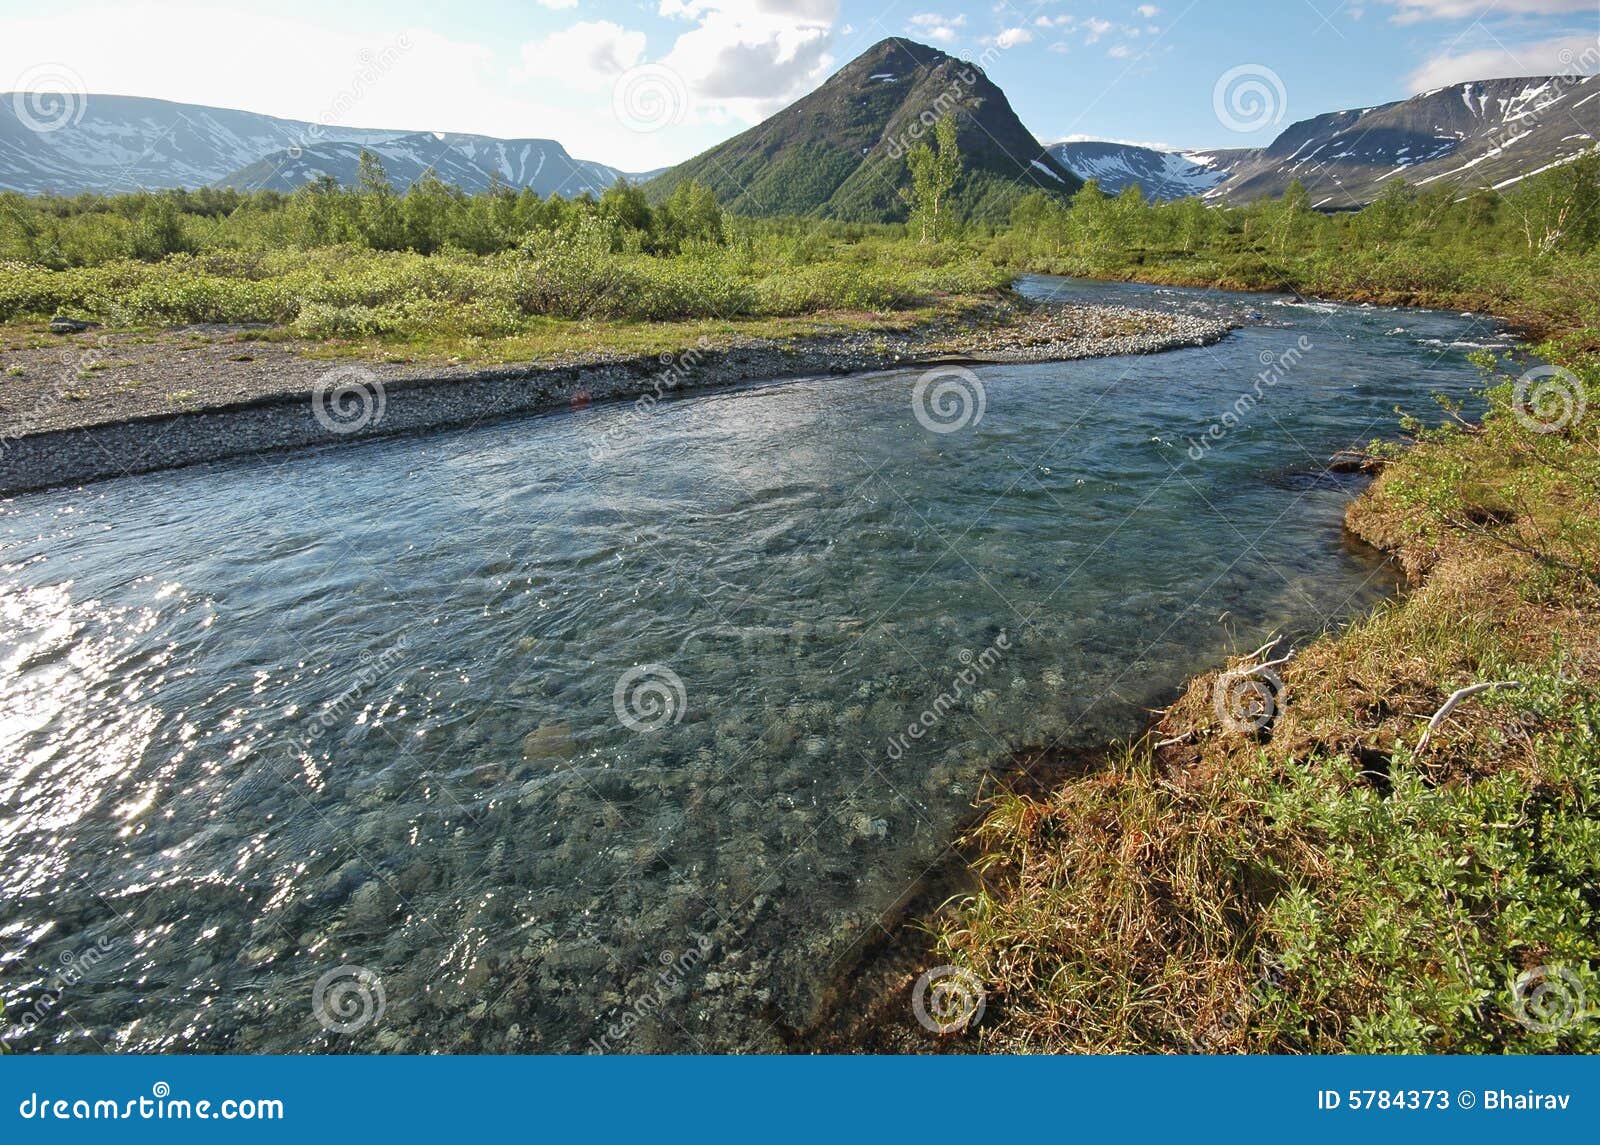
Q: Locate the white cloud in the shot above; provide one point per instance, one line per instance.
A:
(1548, 57)
(1011, 37)
(1119, 51)
(324, 71)
(1095, 29)
(589, 56)
(940, 29)
(746, 59)
(1148, 11)
(1411, 11)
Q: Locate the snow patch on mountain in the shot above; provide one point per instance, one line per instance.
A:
(1160, 175)
(127, 143)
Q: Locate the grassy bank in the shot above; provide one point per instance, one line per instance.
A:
(433, 273)
(1528, 254)
(1288, 862)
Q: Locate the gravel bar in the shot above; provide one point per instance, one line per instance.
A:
(93, 406)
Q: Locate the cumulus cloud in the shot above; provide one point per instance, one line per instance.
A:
(940, 29)
(1094, 29)
(1148, 11)
(746, 58)
(1011, 37)
(587, 55)
(1411, 11)
(1562, 55)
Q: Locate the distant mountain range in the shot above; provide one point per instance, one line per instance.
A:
(124, 143)
(1161, 175)
(838, 152)
(1489, 133)
(471, 162)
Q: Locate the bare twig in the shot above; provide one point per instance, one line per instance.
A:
(1450, 705)
(1278, 663)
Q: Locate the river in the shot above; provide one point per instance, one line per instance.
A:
(615, 731)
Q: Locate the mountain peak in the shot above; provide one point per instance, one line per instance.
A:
(839, 152)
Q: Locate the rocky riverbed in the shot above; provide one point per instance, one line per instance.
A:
(93, 404)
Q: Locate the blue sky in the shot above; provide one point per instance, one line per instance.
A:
(643, 83)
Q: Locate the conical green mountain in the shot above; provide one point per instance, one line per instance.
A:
(839, 153)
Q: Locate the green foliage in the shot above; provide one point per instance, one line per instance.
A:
(1527, 254)
(934, 171)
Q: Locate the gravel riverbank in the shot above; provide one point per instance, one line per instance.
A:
(92, 405)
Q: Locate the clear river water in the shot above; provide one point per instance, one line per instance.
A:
(600, 731)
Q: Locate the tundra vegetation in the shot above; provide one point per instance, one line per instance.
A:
(1341, 878)
(1394, 860)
